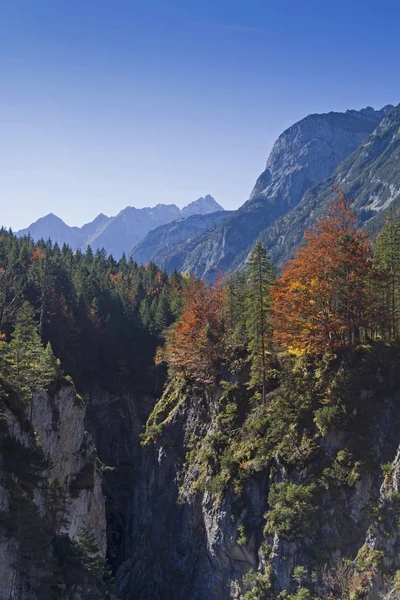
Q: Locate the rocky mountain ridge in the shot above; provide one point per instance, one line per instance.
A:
(370, 176)
(304, 156)
(119, 234)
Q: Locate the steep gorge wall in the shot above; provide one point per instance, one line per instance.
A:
(185, 540)
(45, 454)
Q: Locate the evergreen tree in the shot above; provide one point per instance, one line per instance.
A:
(234, 314)
(27, 365)
(387, 261)
(260, 276)
(162, 314)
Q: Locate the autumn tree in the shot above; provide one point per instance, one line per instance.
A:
(194, 341)
(259, 276)
(324, 295)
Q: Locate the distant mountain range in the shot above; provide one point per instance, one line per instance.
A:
(117, 234)
(358, 151)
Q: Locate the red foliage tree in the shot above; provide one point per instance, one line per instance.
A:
(324, 294)
(193, 344)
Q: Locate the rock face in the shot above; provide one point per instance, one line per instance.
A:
(60, 425)
(304, 155)
(370, 175)
(55, 431)
(309, 152)
(117, 234)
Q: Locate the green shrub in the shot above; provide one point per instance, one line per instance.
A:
(293, 512)
(329, 417)
(344, 471)
(259, 584)
(241, 539)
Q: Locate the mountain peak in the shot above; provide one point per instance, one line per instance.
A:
(202, 206)
(51, 217)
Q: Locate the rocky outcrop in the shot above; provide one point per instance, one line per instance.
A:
(309, 152)
(49, 462)
(59, 423)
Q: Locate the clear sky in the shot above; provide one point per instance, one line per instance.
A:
(109, 103)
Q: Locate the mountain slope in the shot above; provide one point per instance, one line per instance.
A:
(304, 155)
(164, 242)
(117, 234)
(370, 175)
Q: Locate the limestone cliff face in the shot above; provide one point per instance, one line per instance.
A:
(60, 426)
(53, 428)
(182, 541)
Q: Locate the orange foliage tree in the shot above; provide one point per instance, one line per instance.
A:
(37, 255)
(324, 295)
(194, 341)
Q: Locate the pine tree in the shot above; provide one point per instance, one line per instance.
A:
(235, 293)
(260, 277)
(387, 262)
(41, 274)
(162, 314)
(27, 365)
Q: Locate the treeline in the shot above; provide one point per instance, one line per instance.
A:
(103, 318)
(336, 293)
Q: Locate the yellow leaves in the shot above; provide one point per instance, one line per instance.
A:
(297, 351)
(296, 286)
(160, 357)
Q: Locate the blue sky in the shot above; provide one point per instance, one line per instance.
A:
(105, 104)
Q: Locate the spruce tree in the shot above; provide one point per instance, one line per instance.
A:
(234, 315)
(162, 314)
(27, 365)
(260, 275)
(387, 260)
